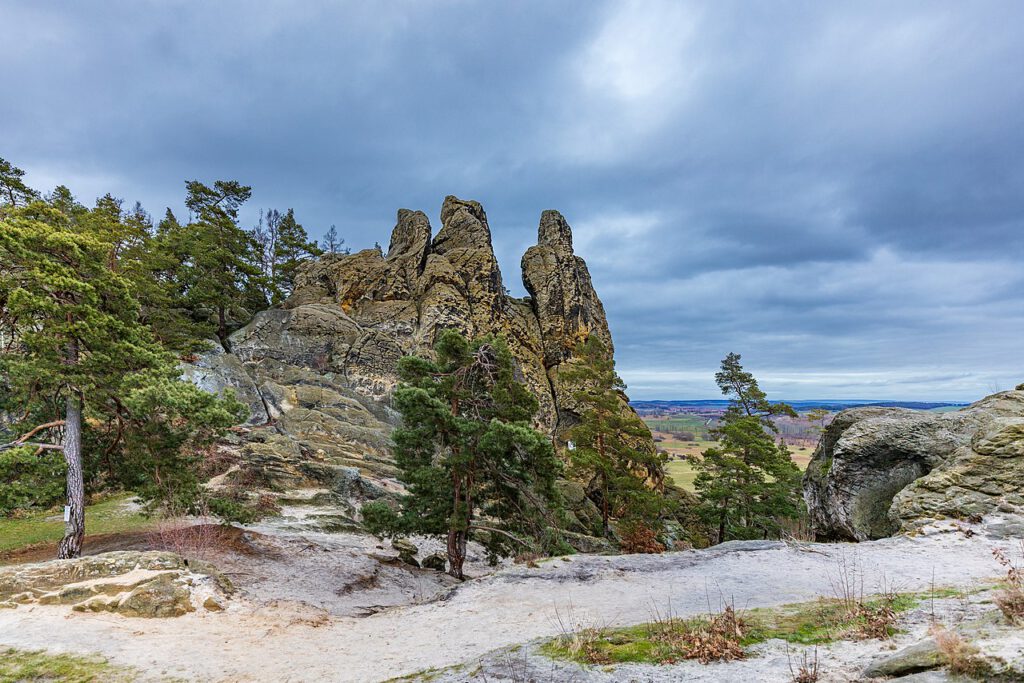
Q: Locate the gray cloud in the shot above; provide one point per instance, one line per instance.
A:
(835, 190)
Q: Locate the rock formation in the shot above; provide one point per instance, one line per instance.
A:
(318, 372)
(878, 471)
(130, 583)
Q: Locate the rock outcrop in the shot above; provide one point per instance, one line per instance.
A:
(135, 584)
(318, 372)
(878, 471)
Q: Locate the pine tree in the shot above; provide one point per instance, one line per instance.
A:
(604, 443)
(332, 242)
(747, 483)
(282, 244)
(13, 190)
(470, 460)
(78, 326)
(79, 348)
(218, 275)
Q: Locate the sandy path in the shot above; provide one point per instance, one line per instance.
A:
(249, 643)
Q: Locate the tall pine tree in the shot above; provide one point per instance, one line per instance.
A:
(79, 349)
(748, 482)
(605, 442)
(469, 458)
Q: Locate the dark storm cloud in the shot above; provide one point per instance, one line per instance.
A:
(835, 190)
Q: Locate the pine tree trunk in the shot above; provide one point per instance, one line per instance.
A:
(721, 520)
(456, 553)
(74, 527)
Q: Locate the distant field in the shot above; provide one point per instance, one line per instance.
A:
(682, 471)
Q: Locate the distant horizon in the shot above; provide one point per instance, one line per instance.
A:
(805, 400)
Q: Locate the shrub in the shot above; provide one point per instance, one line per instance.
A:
(1010, 599)
(30, 480)
(637, 537)
(960, 656)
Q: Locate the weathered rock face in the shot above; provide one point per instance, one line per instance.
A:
(134, 584)
(878, 471)
(321, 369)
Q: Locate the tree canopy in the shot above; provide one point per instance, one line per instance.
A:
(472, 465)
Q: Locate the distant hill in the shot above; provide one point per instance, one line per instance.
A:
(801, 406)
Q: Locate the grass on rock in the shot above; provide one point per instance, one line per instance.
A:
(31, 666)
(724, 636)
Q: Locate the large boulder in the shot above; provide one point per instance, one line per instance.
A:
(877, 471)
(216, 371)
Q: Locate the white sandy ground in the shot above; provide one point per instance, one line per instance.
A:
(260, 639)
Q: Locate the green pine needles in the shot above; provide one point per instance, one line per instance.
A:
(747, 484)
(608, 453)
(472, 464)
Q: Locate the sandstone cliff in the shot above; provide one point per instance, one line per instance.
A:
(318, 372)
(878, 471)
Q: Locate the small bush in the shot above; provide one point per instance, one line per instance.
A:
(807, 671)
(637, 537)
(960, 656)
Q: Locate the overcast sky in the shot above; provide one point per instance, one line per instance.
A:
(833, 190)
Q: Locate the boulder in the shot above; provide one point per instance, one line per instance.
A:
(878, 471)
(135, 584)
(406, 551)
(920, 656)
(217, 371)
(436, 561)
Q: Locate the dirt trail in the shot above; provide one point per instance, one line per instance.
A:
(286, 642)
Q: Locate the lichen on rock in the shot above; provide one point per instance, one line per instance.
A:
(135, 584)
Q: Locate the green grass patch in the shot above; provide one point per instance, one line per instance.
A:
(671, 640)
(682, 472)
(18, 666)
(107, 517)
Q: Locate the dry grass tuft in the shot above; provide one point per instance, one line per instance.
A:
(1010, 598)
(961, 657)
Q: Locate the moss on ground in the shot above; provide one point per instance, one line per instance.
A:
(667, 641)
(106, 517)
(32, 666)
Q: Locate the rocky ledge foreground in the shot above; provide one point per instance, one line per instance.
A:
(266, 635)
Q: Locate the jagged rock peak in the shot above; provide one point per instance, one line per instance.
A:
(463, 226)
(411, 235)
(554, 231)
(563, 295)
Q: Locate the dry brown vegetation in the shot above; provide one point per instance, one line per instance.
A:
(960, 656)
(1010, 598)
